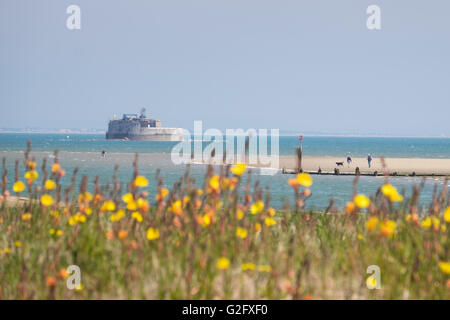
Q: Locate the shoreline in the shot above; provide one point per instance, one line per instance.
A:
(288, 164)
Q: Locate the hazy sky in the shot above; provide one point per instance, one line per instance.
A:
(306, 66)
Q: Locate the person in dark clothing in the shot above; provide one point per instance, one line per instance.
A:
(369, 159)
(349, 160)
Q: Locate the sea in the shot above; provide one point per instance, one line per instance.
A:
(83, 151)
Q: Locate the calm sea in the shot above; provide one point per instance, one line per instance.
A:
(83, 151)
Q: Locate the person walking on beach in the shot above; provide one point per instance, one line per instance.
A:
(103, 153)
(369, 159)
(349, 159)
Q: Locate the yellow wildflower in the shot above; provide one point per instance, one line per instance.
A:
(152, 234)
(239, 169)
(18, 187)
(137, 216)
(108, 206)
(257, 207)
(206, 220)
(50, 184)
(271, 212)
(447, 215)
(241, 233)
(239, 214)
(26, 217)
(31, 175)
(176, 207)
(18, 244)
(46, 200)
(445, 267)
(257, 227)
(214, 182)
(372, 223)
(264, 268)
(269, 221)
(304, 179)
(387, 228)
(117, 216)
(361, 201)
(141, 181)
(223, 263)
(128, 197)
(248, 266)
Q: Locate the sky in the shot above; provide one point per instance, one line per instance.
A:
(299, 66)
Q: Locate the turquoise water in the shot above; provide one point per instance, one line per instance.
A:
(83, 151)
(316, 146)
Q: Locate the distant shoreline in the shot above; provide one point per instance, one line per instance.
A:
(306, 135)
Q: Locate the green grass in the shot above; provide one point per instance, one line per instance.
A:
(305, 254)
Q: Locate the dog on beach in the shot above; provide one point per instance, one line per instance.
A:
(340, 163)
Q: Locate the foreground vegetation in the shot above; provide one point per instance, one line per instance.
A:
(218, 241)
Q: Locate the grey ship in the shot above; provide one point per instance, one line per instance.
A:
(139, 127)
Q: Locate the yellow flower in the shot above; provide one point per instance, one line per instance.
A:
(162, 194)
(117, 216)
(239, 214)
(7, 250)
(430, 221)
(52, 231)
(388, 190)
(391, 192)
(26, 217)
(46, 200)
(137, 216)
(83, 197)
(257, 207)
(18, 244)
(50, 184)
(214, 182)
(88, 211)
(372, 223)
(361, 201)
(141, 181)
(239, 169)
(142, 203)
(270, 221)
(108, 206)
(59, 233)
(360, 236)
(31, 175)
(206, 220)
(176, 207)
(128, 197)
(152, 234)
(257, 227)
(445, 267)
(18, 187)
(387, 228)
(223, 263)
(371, 282)
(80, 218)
(241, 233)
(271, 212)
(426, 223)
(132, 205)
(447, 215)
(248, 266)
(304, 179)
(264, 268)
(72, 221)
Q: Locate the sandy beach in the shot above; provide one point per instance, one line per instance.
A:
(421, 166)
